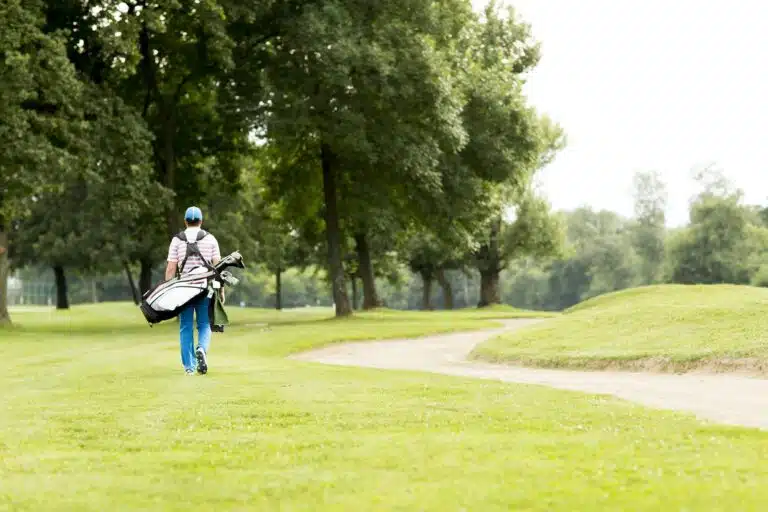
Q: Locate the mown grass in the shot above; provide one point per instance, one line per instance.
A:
(103, 419)
(257, 329)
(666, 328)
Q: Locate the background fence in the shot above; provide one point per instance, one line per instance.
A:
(36, 292)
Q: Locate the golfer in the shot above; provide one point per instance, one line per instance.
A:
(187, 250)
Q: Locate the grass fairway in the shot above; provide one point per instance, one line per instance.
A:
(96, 414)
(666, 328)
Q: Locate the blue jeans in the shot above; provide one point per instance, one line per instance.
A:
(197, 308)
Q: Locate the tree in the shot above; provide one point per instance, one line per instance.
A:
(649, 229)
(89, 222)
(603, 251)
(598, 257)
(38, 90)
(429, 256)
(278, 248)
(714, 248)
(612, 264)
(526, 285)
(375, 256)
(361, 102)
(188, 70)
(569, 282)
(366, 270)
(508, 143)
(720, 243)
(535, 232)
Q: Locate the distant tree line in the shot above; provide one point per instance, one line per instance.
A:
(725, 241)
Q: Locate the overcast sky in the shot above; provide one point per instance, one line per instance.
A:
(651, 85)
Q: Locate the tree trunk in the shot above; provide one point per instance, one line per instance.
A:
(5, 317)
(370, 296)
(489, 288)
(134, 291)
(145, 276)
(465, 299)
(279, 289)
(94, 291)
(490, 264)
(62, 297)
(445, 284)
(355, 302)
(333, 235)
(426, 291)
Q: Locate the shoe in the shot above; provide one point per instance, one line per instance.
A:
(189, 372)
(202, 361)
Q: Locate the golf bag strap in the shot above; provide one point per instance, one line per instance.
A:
(182, 235)
(191, 249)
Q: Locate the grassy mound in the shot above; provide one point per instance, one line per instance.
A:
(96, 414)
(665, 328)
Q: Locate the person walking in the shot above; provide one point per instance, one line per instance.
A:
(192, 248)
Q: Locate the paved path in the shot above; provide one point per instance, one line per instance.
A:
(722, 398)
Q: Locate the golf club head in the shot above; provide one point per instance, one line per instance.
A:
(228, 278)
(232, 260)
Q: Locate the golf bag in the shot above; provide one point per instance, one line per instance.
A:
(167, 299)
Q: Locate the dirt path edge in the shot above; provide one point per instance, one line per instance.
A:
(723, 398)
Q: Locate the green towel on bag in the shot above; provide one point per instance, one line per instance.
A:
(219, 314)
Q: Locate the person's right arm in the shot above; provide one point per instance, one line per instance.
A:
(173, 261)
(216, 256)
(170, 270)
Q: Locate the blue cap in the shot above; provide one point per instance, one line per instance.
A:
(193, 214)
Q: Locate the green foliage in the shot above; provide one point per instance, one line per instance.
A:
(364, 96)
(503, 128)
(757, 247)
(425, 253)
(528, 282)
(714, 248)
(508, 142)
(298, 289)
(725, 241)
(535, 232)
(415, 132)
(612, 266)
(649, 229)
(116, 116)
(597, 256)
(90, 220)
(760, 278)
(39, 118)
(172, 62)
(368, 84)
(39, 93)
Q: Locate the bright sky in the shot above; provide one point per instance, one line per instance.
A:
(664, 85)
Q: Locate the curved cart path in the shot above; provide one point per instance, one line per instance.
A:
(722, 398)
